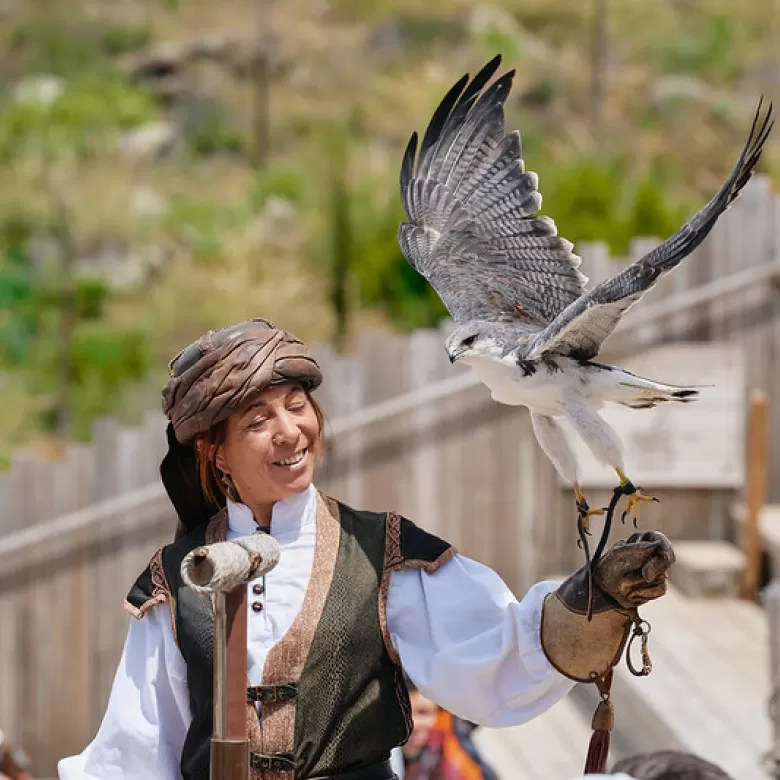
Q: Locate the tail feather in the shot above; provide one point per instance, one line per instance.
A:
(638, 392)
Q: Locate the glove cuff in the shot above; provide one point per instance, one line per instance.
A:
(582, 649)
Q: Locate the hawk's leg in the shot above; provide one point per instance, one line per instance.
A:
(553, 441)
(635, 497)
(584, 512)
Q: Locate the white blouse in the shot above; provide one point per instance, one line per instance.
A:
(462, 637)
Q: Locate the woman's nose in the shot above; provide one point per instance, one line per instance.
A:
(286, 428)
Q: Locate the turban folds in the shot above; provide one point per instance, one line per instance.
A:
(212, 378)
(226, 369)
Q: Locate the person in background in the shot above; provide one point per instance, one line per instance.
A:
(440, 746)
(669, 765)
(14, 762)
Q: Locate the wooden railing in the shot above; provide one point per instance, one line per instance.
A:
(406, 430)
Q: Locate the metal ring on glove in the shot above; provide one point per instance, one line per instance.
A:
(642, 630)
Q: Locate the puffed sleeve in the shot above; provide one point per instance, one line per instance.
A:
(468, 644)
(148, 712)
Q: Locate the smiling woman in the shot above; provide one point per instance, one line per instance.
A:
(264, 453)
(356, 599)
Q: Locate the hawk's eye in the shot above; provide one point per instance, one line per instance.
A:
(467, 342)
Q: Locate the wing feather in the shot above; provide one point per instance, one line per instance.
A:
(472, 229)
(580, 329)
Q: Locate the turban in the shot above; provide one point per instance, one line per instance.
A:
(212, 378)
(226, 369)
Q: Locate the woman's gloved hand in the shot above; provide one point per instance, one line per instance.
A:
(629, 574)
(634, 572)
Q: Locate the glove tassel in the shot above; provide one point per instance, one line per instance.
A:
(603, 722)
(598, 752)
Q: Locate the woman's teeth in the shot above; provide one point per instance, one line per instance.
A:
(293, 459)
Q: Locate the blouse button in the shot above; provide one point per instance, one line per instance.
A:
(257, 588)
(257, 606)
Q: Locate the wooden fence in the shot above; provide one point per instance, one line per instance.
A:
(406, 430)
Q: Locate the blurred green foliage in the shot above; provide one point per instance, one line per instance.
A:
(215, 133)
(70, 47)
(201, 223)
(591, 199)
(704, 46)
(102, 358)
(84, 119)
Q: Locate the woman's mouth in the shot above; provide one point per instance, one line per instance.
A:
(294, 459)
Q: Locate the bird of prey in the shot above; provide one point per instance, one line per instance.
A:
(525, 322)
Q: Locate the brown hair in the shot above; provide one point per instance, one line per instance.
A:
(207, 446)
(669, 765)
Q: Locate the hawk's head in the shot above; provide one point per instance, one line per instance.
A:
(472, 339)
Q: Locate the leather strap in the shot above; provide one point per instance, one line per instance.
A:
(272, 762)
(380, 771)
(270, 693)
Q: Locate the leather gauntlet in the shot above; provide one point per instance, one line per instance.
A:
(628, 575)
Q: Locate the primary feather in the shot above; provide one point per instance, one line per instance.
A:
(472, 230)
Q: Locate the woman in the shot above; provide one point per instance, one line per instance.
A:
(355, 597)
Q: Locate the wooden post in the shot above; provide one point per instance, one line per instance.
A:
(772, 603)
(229, 742)
(757, 445)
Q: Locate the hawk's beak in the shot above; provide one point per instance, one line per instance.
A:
(453, 356)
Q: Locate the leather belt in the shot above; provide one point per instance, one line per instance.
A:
(381, 771)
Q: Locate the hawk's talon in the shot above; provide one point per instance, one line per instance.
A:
(584, 513)
(636, 497)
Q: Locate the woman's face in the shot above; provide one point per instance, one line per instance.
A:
(270, 447)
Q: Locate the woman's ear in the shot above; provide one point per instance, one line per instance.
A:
(221, 461)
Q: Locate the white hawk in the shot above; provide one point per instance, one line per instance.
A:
(525, 323)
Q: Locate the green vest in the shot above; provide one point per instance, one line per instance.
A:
(333, 698)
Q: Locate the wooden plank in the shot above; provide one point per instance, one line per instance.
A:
(680, 705)
(755, 489)
(552, 746)
(772, 603)
(596, 262)
(425, 346)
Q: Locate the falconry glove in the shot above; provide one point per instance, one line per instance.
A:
(628, 575)
(585, 645)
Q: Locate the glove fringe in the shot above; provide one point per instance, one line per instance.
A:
(598, 752)
(602, 725)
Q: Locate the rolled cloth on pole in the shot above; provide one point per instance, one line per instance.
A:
(225, 566)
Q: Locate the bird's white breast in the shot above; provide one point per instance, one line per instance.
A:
(543, 389)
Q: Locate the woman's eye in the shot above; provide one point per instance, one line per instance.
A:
(298, 406)
(259, 422)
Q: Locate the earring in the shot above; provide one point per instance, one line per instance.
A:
(230, 488)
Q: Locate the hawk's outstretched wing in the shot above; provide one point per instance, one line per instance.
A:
(580, 329)
(472, 230)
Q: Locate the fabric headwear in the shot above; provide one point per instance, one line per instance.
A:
(212, 378)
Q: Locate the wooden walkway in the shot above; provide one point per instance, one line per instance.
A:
(709, 689)
(708, 694)
(550, 747)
